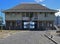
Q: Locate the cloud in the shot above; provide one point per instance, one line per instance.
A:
(39, 1)
(58, 13)
(43, 4)
(42, 0)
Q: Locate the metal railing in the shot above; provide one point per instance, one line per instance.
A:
(56, 27)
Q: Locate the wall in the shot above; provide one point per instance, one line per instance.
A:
(12, 16)
(49, 17)
(57, 20)
(41, 17)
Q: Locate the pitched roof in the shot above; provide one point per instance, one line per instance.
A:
(29, 8)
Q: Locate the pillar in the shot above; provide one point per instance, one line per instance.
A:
(38, 24)
(21, 24)
(16, 23)
(10, 25)
(1, 27)
(52, 26)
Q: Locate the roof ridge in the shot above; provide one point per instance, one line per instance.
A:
(29, 3)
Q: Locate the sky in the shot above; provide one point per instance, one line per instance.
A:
(6, 4)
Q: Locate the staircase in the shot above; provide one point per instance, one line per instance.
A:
(56, 27)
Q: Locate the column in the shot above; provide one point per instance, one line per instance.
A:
(15, 24)
(10, 25)
(21, 25)
(29, 15)
(1, 27)
(52, 26)
(38, 24)
(45, 24)
(48, 24)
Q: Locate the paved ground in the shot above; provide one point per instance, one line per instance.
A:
(55, 37)
(30, 37)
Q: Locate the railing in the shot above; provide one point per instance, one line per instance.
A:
(56, 27)
(25, 18)
(34, 18)
(28, 18)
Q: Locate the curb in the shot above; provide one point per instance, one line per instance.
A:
(50, 39)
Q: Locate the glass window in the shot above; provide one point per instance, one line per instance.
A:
(41, 13)
(36, 15)
(52, 13)
(31, 14)
(46, 15)
(27, 14)
(13, 14)
(23, 14)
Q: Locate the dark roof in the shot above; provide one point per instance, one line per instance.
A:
(29, 8)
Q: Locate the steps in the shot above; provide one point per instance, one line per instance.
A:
(56, 27)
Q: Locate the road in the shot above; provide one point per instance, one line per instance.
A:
(30, 37)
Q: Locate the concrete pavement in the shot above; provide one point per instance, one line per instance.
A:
(29, 37)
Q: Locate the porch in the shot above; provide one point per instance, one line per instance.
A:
(38, 25)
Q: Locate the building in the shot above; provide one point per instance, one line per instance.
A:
(29, 16)
(1, 22)
(57, 21)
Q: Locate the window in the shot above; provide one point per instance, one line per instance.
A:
(36, 15)
(41, 13)
(23, 14)
(13, 14)
(45, 14)
(27, 14)
(31, 14)
(51, 13)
